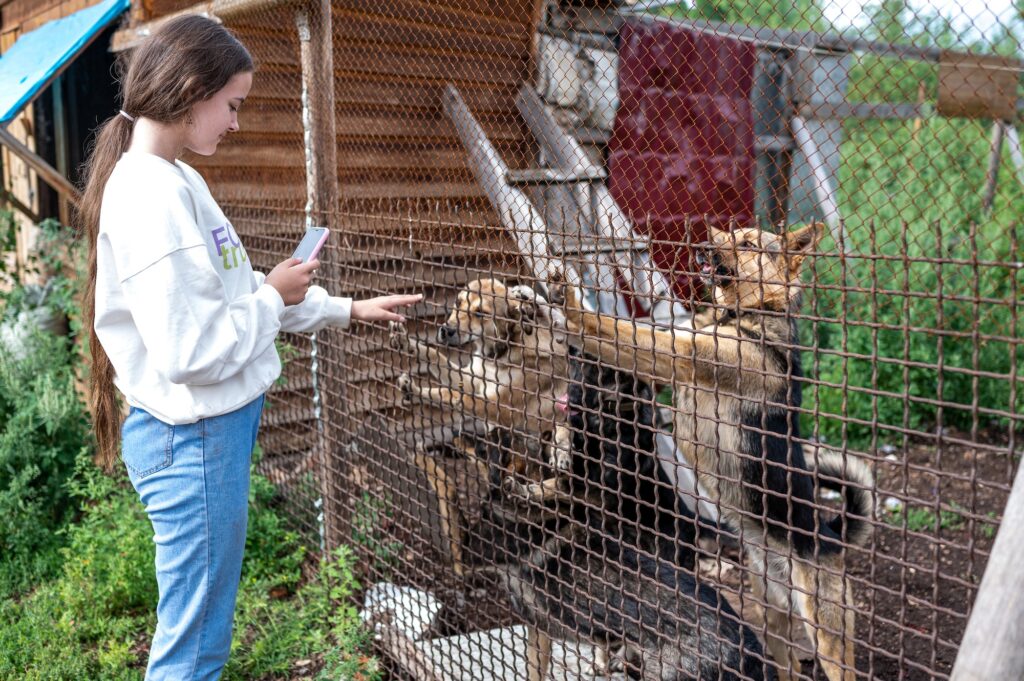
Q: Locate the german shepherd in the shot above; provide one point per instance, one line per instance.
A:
(608, 434)
(583, 574)
(737, 398)
(518, 363)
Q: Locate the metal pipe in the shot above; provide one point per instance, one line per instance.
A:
(1016, 153)
(992, 171)
(515, 210)
(823, 190)
(649, 285)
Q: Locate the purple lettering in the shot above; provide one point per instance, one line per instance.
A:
(218, 240)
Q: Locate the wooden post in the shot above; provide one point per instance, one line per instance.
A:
(317, 58)
(993, 645)
(1016, 151)
(918, 120)
(992, 172)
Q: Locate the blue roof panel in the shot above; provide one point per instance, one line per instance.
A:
(39, 54)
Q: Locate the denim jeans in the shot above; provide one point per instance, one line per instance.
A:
(194, 482)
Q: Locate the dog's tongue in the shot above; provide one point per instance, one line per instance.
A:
(562, 403)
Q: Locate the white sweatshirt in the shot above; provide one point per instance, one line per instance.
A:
(187, 323)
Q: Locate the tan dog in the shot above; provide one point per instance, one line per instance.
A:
(737, 423)
(518, 365)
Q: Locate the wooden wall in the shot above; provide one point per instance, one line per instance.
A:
(411, 215)
(26, 15)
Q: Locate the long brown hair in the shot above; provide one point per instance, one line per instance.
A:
(187, 61)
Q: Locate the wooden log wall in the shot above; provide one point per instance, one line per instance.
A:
(411, 216)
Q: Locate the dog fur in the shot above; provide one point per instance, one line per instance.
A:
(518, 360)
(737, 395)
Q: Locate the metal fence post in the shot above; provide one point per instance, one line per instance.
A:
(314, 26)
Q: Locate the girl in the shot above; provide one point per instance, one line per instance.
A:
(184, 328)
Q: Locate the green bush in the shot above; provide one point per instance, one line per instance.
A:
(43, 428)
(910, 199)
(89, 622)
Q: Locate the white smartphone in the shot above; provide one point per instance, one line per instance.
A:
(311, 243)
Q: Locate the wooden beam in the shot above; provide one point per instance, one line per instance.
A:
(44, 169)
(1016, 151)
(218, 10)
(313, 24)
(823, 190)
(10, 198)
(992, 171)
(319, 123)
(826, 110)
(993, 645)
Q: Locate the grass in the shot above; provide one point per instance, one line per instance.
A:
(926, 521)
(95, 619)
(920, 282)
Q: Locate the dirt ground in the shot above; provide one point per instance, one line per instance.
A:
(913, 582)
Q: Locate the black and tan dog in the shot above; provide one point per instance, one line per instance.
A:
(585, 582)
(737, 397)
(595, 567)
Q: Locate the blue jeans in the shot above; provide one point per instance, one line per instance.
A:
(194, 482)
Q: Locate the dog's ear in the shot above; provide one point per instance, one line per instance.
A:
(522, 306)
(799, 243)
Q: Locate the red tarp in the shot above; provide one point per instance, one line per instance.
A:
(683, 143)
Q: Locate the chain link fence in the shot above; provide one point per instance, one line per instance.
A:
(717, 373)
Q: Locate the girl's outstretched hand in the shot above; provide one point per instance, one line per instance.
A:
(380, 309)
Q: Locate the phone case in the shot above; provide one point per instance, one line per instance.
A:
(316, 249)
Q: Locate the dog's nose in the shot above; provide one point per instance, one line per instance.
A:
(446, 334)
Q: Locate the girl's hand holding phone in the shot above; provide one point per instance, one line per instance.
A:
(291, 278)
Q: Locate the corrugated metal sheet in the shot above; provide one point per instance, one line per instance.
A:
(682, 149)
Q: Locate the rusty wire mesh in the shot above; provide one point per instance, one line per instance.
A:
(552, 489)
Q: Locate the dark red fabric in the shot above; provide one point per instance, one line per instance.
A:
(683, 143)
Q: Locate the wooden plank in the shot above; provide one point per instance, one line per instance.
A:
(993, 644)
(359, 26)
(444, 14)
(277, 86)
(977, 86)
(420, 190)
(18, 12)
(61, 10)
(47, 172)
(365, 125)
(220, 10)
(250, 153)
(830, 110)
(376, 90)
(272, 160)
(438, 66)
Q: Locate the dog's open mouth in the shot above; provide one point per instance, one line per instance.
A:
(712, 270)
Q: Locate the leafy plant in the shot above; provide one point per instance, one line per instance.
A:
(919, 519)
(920, 285)
(43, 428)
(371, 522)
(95, 619)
